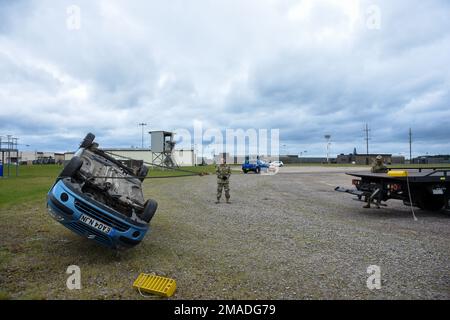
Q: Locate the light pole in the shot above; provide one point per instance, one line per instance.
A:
(328, 139)
(410, 146)
(142, 125)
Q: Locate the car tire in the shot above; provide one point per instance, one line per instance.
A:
(142, 174)
(87, 141)
(71, 167)
(245, 171)
(149, 210)
(258, 170)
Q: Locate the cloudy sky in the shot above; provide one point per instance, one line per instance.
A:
(306, 67)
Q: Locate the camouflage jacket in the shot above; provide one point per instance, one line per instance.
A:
(223, 172)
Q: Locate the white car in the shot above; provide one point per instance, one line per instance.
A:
(277, 163)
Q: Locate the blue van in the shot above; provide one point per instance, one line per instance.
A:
(101, 199)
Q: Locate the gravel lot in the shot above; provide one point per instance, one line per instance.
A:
(288, 236)
(291, 236)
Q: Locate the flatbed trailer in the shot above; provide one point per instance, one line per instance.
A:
(425, 188)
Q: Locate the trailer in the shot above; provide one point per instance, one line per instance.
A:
(425, 188)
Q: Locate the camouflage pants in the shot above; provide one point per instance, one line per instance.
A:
(220, 187)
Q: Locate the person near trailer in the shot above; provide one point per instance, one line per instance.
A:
(377, 167)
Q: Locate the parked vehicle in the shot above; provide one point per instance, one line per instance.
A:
(254, 165)
(101, 199)
(426, 188)
(277, 163)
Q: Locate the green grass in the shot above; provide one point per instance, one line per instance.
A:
(32, 183)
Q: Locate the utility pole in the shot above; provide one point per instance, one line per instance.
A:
(410, 146)
(15, 148)
(142, 125)
(9, 152)
(367, 138)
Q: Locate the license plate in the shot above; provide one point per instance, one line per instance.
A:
(95, 224)
(438, 191)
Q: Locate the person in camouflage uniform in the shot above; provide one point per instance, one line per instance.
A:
(378, 167)
(223, 172)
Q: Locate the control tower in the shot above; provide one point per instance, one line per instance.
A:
(162, 148)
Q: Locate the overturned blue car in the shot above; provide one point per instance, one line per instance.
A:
(101, 199)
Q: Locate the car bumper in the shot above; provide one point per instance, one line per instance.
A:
(67, 207)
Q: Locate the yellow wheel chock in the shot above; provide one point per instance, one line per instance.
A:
(154, 284)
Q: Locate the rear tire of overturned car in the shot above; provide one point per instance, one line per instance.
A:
(142, 174)
(87, 141)
(149, 210)
(71, 168)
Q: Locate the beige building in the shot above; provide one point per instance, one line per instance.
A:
(182, 157)
(365, 159)
(30, 157)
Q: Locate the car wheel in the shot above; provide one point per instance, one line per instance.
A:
(71, 168)
(245, 171)
(142, 174)
(149, 210)
(258, 170)
(87, 141)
